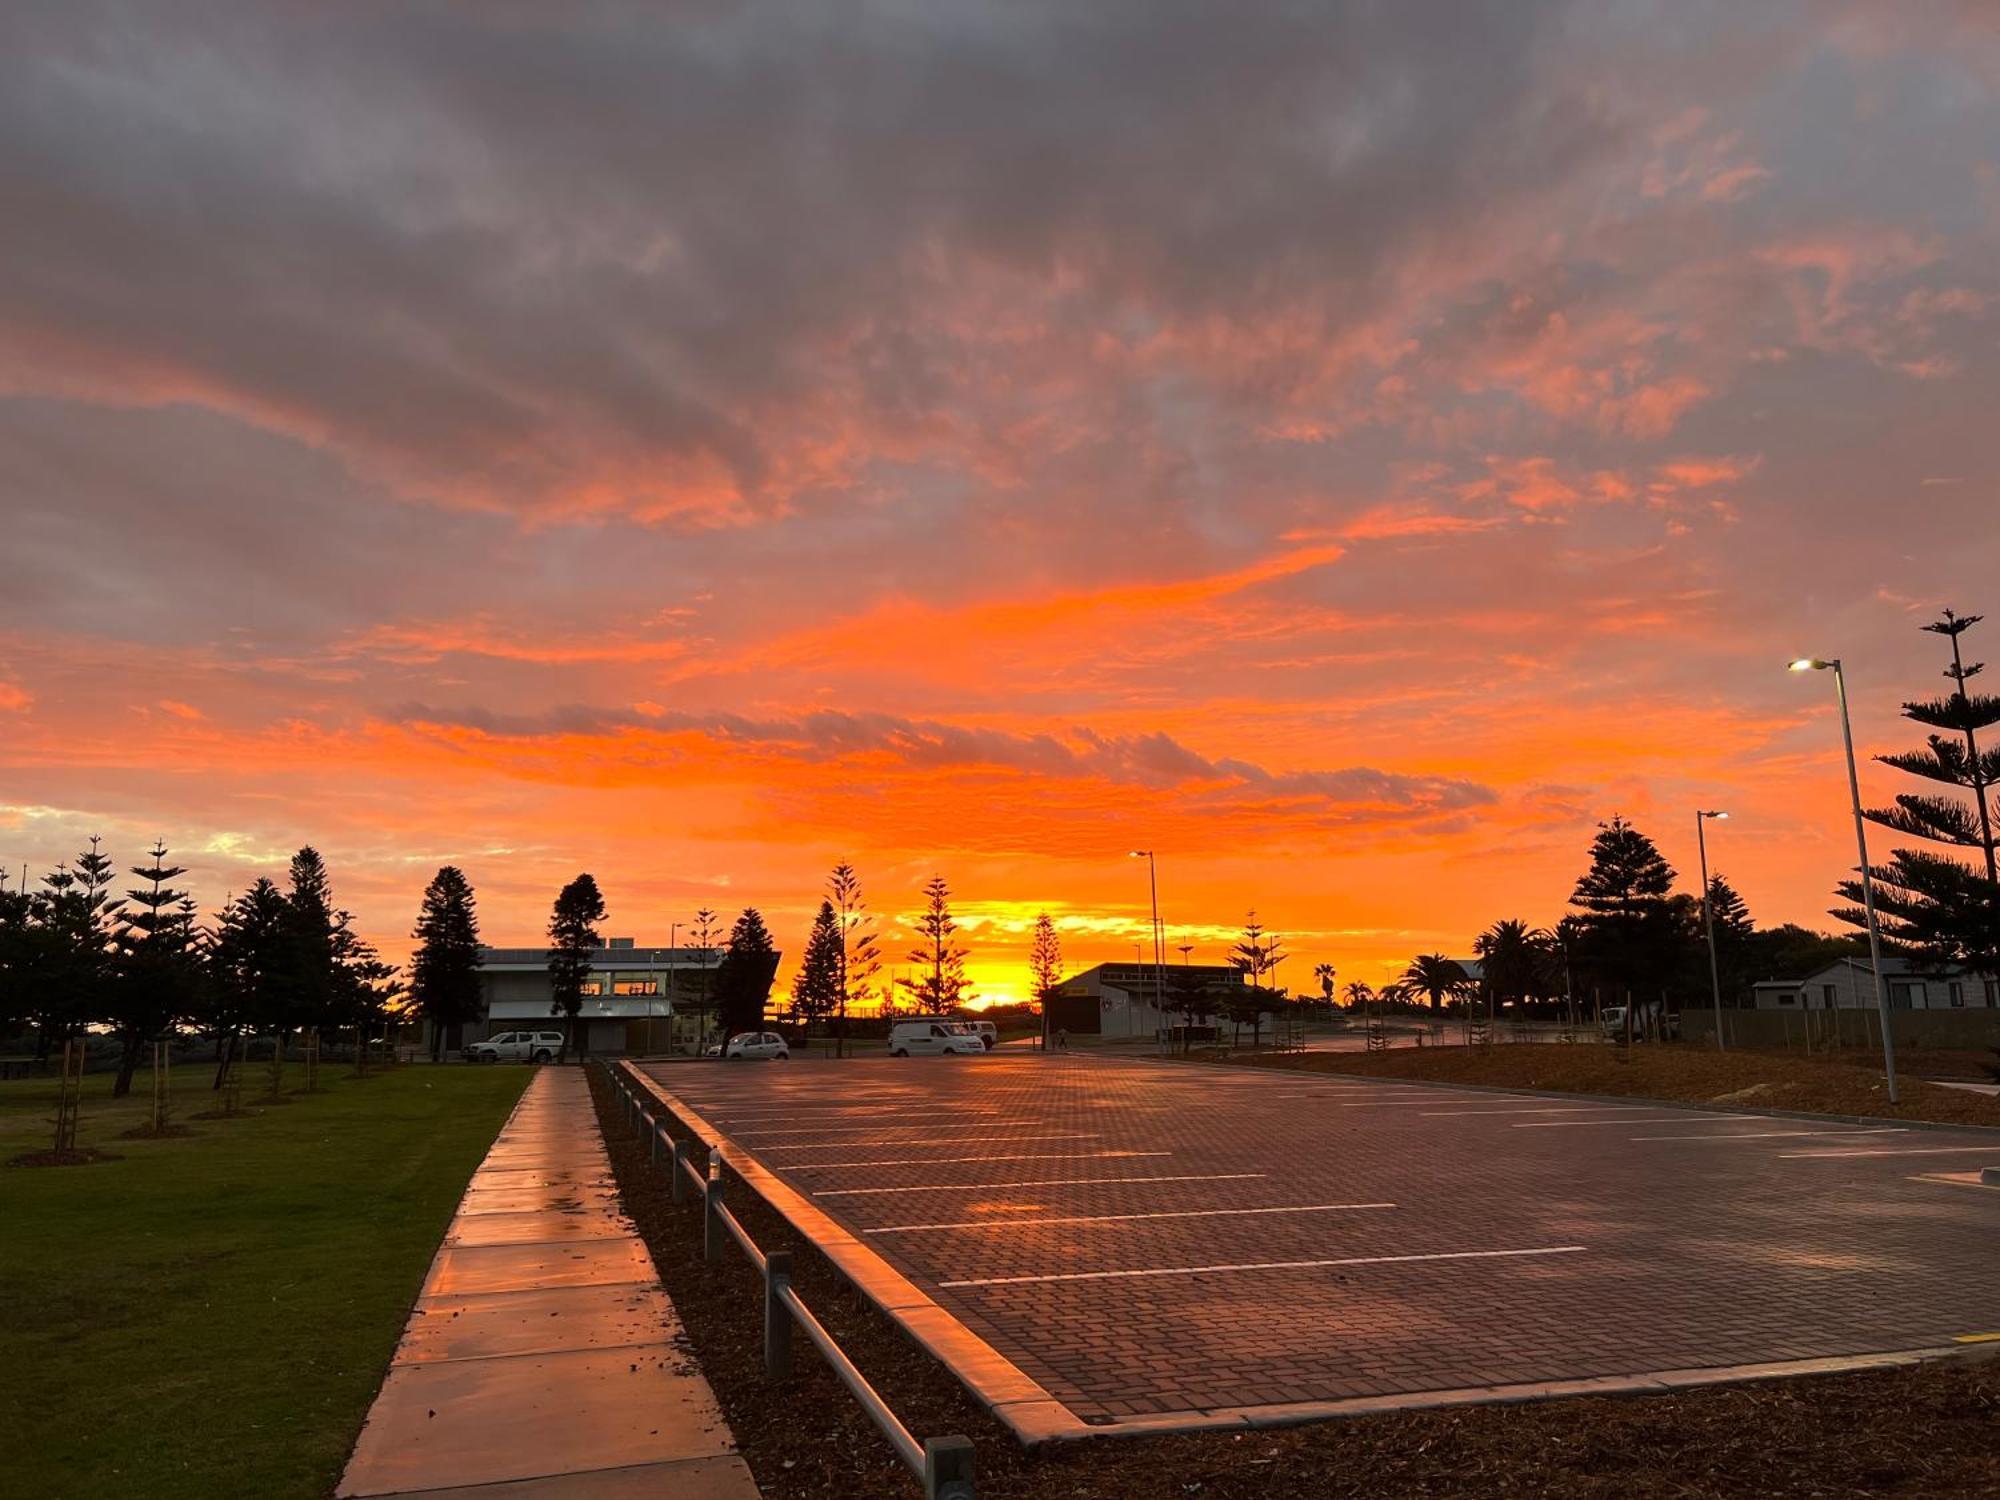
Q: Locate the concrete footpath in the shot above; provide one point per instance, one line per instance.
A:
(543, 1357)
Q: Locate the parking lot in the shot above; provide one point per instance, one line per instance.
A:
(1147, 1238)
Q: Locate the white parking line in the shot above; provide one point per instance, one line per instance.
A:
(952, 1161)
(1554, 1109)
(875, 1114)
(923, 1132)
(1917, 1151)
(1378, 1103)
(1771, 1135)
(1265, 1265)
(1176, 1213)
(1618, 1120)
(963, 1140)
(990, 1187)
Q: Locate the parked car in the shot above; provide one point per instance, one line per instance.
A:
(517, 1046)
(1647, 1023)
(986, 1031)
(767, 1045)
(933, 1036)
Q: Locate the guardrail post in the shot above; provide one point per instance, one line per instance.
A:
(777, 1316)
(679, 1169)
(653, 1148)
(948, 1468)
(711, 1201)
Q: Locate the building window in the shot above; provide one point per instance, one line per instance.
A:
(1957, 995)
(1902, 994)
(1826, 996)
(635, 987)
(1992, 993)
(1786, 997)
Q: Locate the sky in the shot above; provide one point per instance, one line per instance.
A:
(1349, 449)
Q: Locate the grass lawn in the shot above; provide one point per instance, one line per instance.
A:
(1686, 1073)
(211, 1315)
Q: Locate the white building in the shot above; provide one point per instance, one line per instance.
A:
(1850, 985)
(636, 999)
(1134, 1000)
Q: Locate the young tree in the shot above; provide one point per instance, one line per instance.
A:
(1258, 953)
(743, 978)
(573, 938)
(940, 983)
(157, 959)
(1045, 966)
(704, 933)
(246, 965)
(816, 990)
(860, 959)
(1933, 906)
(444, 969)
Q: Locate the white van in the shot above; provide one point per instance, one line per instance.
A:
(933, 1036)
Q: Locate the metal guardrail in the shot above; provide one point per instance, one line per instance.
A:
(942, 1465)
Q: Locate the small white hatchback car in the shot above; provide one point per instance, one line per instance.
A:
(751, 1044)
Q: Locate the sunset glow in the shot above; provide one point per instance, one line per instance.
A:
(700, 449)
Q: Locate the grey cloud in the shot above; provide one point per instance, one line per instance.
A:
(496, 246)
(1153, 760)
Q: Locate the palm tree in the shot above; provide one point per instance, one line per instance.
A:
(1516, 958)
(1435, 975)
(1358, 995)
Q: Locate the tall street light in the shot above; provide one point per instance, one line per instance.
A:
(1708, 917)
(1153, 885)
(1815, 664)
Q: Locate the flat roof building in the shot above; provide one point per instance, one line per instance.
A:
(1118, 1000)
(635, 1000)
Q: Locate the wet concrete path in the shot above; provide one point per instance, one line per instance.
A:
(543, 1358)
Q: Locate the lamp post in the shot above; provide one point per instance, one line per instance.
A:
(673, 941)
(1815, 664)
(1701, 818)
(1153, 885)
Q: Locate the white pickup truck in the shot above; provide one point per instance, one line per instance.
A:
(517, 1046)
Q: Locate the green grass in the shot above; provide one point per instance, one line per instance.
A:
(212, 1315)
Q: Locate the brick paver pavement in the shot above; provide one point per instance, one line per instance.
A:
(1146, 1238)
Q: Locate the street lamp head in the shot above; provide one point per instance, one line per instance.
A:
(1810, 664)
(1715, 814)
(1140, 854)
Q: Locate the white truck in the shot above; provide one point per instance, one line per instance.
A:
(934, 1036)
(517, 1046)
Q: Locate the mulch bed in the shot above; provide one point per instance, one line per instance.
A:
(148, 1133)
(1929, 1431)
(1686, 1074)
(79, 1156)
